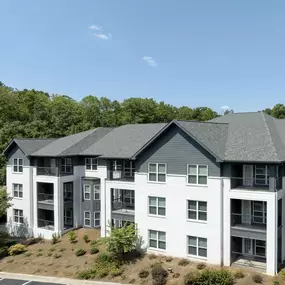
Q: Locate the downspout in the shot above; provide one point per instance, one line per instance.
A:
(222, 219)
(105, 222)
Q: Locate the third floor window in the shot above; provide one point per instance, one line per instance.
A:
(17, 165)
(157, 172)
(91, 163)
(66, 165)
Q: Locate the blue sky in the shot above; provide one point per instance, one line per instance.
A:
(196, 53)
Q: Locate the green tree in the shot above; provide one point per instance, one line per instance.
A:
(5, 202)
(278, 111)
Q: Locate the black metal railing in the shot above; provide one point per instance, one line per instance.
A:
(118, 204)
(266, 184)
(248, 221)
(47, 171)
(46, 197)
(123, 175)
(46, 224)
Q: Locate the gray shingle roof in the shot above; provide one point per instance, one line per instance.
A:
(124, 141)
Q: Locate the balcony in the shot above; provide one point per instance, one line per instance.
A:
(47, 171)
(119, 205)
(46, 198)
(46, 219)
(122, 170)
(122, 175)
(123, 202)
(248, 222)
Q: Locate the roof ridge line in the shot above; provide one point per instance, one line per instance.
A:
(204, 122)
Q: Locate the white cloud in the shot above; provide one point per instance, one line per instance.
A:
(95, 27)
(103, 36)
(150, 61)
(225, 108)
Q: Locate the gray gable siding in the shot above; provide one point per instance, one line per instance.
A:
(177, 149)
(16, 152)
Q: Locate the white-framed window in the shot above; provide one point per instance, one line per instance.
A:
(261, 175)
(197, 174)
(17, 165)
(87, 192)
(157, 239)
(18, 216)
(97, 219)
(157, 172)
(66, 165)
(91, 163)
(129, 168)
(68, 191)
(197, 210)
(260, 248)
(87, 219)
(156, 206)
(197, 246)
(17, 190)
(97, 192)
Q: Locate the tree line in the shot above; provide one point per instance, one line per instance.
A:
(37, 114)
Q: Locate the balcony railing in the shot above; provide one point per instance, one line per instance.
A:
(44, 197)
(118, 204)
(122, 175)
(67, 197)
(47, 171)
(253, 222)
(46, 224)
(258, 184)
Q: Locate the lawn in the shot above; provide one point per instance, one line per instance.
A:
(60, 260)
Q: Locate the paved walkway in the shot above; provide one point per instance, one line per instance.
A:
(7, 278)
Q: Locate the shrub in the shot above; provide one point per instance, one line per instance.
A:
(257, 278)
(201, 265)
(55, 238)
(52, 249)
(49, 253)
(3, 251)
(143, 273)
(282, 272)
(39, 254)
(275, 282)
(183, 262)
(85, 274)
(40, 250)
(17, 249)
(72, 237)
(152, 256)
(80, 252)
(104, 258)
(176, 275)
(213, 276)
(115, 271)
(159, 275)
(168, 259)
(56, 255)
(239, 274)
(86, 238)
(61, 249)
(94, 250)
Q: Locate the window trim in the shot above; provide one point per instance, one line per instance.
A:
(89, 226)
(84, 192)
(156, 215)
(18, 165)
(156, 172)
(197, 211)
(95, 191)
(157, 240)
(94, 214)
(91, 163)
(197, 175)
(197, 247)
(17, 191)
(19, 216)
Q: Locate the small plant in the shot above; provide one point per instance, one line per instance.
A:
(168, 259)
(176, 275)
(94, 250)
(156, 264)
(3, 251)
(282, 272)
(72, 237)
(52, 249)
(80, 252)
(39, 250)
(17, 249)
(183, 262)
(86, 238)
(94, 243)
(55, 238)
(115, 271)
(257, 278)
(85, 274)
(201, 265)
(239, 274)
(144, 273)
(159, 275)
(39, 254)
(49, 253)
(28, 253)
(62, 249)
(275, 282)
(56, 255)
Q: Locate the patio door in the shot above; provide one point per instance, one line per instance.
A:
(247, 246)
(247, 175)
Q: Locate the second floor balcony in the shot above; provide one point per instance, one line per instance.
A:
(123, 201)
(248, 222)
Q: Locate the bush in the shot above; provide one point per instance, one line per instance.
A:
(94, 250)
(86, 238)
(3, 251)
(201, 265)
(143, 273)
(152, 256)
(221, 276)
(55, 238)
(57, 255)
(239, 274)
(176, 275)
(275, 282)
(49, 253)
(168, 259)
(104, 258)
(159, 275)
(94, 243)
(257, 278)
(183, 262)
(85, 274)
(72, 237)
(61, 249)
(52, 249)
(115, 271)
(39, 254)
(17, 249)
(282, 272)
(80, 252)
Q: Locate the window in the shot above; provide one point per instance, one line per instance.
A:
(87, 219)
(97, 192)
(87, 192)
(156, 206)
(197, 174)
(68, 191)
(67, 217)
(157, 172)
(97, 219)
(17, 165)
(18, 190)
(259, 212)
(157, 239)
(66, 165)
(91, 163)
(197, 210)
(18, 216)
(129, 168)
(197, 246)
(260, 248)
(261, 175)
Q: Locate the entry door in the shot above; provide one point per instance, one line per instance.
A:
(247, 175)
(247, 246)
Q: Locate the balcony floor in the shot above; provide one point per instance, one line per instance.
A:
(124, 211)
(253, 227)
(256, 263)
(48, 201)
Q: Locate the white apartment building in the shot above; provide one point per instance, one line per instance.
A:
(210, 191)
